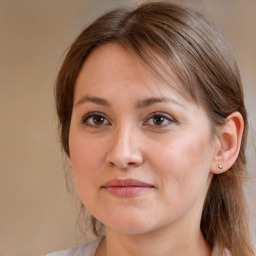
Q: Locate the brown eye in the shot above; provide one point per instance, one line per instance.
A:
(95, 120)
(159, 120)
(98, 120)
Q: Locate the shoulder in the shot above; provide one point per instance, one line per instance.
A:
(85, 249)
(225, 252)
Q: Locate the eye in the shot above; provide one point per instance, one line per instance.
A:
(95, 119)
(159, 119)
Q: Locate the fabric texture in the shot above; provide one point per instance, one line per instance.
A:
(217, 253)
(85, 249)
(89, 249)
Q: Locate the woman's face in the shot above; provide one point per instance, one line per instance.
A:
(141, 153)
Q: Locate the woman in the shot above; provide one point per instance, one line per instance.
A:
(152, 116)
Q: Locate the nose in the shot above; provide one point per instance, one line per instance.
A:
(125, 148)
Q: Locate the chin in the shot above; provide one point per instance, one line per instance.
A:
(130, 225)
(130, 230)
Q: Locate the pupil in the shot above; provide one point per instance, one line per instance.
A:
(159, 119)
(98, 119)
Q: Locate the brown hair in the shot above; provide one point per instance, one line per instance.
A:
(206, 71)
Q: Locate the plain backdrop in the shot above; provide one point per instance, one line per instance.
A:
(37, 214)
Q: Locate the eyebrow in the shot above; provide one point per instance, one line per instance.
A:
(151, 101)
(95, 100)
(141, 104)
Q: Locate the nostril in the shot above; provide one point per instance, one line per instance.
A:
(131, 163)
(122, 164)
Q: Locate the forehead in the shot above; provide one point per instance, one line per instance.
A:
(111, 61)
(111, 64)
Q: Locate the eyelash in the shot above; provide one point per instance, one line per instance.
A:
(87, 117)
(163, 117)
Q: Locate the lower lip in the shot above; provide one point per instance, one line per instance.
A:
(127, 191)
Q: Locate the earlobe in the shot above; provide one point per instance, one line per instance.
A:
(228, 144)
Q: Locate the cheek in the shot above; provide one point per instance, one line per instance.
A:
(184, 175)
(84, 151)
(86, 157)
(184, 162)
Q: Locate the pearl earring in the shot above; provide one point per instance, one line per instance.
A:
(220, 166)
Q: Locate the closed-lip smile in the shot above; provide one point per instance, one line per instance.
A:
(127, 187)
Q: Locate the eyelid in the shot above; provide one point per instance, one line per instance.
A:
(161, 114)
(91, 114)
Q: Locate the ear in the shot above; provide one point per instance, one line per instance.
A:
(228, 143)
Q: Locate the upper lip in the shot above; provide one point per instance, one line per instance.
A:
(126, 183)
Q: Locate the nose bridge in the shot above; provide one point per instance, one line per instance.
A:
(125, 149)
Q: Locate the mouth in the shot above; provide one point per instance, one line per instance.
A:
(127, 187)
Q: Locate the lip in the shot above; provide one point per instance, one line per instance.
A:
(127, 187)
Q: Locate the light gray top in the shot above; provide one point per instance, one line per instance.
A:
(85, 249)
(89, 249)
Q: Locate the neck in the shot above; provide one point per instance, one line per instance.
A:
(157, 243)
